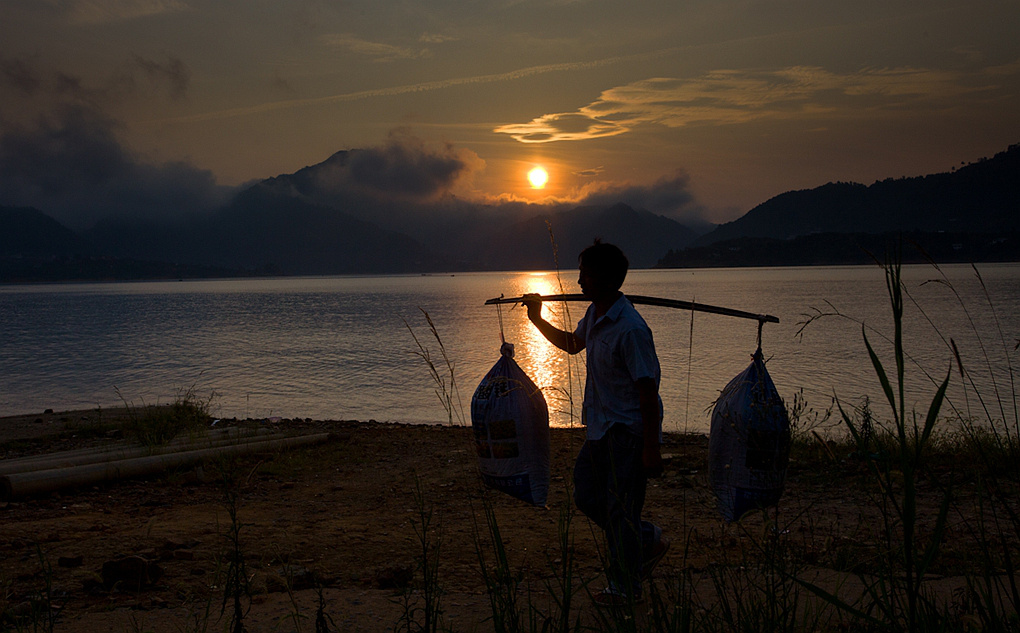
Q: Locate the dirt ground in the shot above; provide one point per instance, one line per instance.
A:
(343, 516)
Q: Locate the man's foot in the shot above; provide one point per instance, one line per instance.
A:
(615, 599)
(660, 549)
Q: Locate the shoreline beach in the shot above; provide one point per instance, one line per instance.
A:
(343, 517)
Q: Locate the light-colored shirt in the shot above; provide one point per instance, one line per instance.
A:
(619, 352)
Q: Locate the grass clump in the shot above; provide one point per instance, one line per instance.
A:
(158, 425)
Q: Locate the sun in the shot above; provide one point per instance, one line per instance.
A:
(538, 177)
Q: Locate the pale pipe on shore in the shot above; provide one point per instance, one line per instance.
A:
(47, 461)
(17, 485)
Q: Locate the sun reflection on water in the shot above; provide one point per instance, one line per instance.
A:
(559, 375)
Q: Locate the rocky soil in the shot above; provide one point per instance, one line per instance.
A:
(335, 528)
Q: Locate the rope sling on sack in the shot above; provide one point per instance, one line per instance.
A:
(749, 437)
(510, 421)
(748, 442)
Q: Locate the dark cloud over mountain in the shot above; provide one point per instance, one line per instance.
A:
(670, 197)
(61, 150)
(403, 168)
(72, 165)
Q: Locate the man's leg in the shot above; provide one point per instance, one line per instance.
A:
(613, 499)
(590, 481)
(628, 535)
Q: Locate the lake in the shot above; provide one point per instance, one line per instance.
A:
(341, 347)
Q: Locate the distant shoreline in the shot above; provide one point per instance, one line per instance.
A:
(821, 250)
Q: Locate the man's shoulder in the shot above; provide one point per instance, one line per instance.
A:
(630, 317)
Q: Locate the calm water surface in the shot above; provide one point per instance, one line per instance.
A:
(340, 347)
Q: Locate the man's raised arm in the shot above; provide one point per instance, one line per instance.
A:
(566, 341)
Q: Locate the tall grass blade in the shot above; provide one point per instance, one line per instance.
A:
(882, 377)
(933, 410)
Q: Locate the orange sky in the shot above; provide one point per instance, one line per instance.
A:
(736, 101)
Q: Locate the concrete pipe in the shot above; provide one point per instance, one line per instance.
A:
(17, 485)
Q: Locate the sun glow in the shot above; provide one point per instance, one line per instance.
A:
(558, 375)
(538, 177)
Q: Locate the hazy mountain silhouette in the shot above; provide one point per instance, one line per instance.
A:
(331, 218)
(528, 244)
(270, 233)
(981, 197)
(36, 247)
(30, 232)
(468, 235)
(914, 247)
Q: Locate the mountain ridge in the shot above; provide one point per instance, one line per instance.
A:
(979, 197)
(310, 222)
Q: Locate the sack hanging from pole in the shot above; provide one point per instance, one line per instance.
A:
(511, 430)
(749, 443)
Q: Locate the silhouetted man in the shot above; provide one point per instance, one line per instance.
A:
(623, 415)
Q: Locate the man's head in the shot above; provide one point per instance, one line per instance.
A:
(603, 269)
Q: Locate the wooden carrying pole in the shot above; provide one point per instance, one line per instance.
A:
(651, 301)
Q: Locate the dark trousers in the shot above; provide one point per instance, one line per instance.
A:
(609, 487)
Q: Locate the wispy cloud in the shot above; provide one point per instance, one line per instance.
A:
(378, 51)
(591, 172)
(435, 38)
(174, 72)
(391, 91)
(26, 77)
(19, 74)
(727, 97)
(101, 11)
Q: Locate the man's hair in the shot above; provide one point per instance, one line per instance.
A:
(605, 261)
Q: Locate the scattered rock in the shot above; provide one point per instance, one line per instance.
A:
(131, 573)
(295, 577)
(70, 561)
(394, 577)
(20, 615)
(172, 544)
(196, 476)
